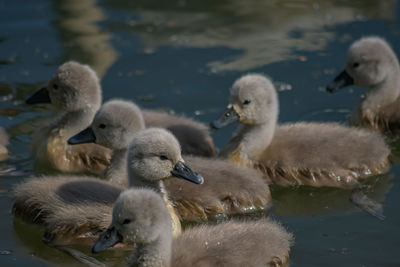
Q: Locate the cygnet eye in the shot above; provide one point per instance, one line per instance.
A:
(356, 64)
(163, 157)
(55, 86)
(102, 126)
(246, 102)
(126, 221)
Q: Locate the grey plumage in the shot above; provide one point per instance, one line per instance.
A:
(116, 123)
(372, 62)
(227, 189)
(230, 189)
(193, 136)
(72, 209)
(324, 154)
(139, 217)
(114, 126)
(75, 91)
(75, 209)
(233, 243)
(315, 154)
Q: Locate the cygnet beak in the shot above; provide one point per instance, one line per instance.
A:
(342, 80)
(229, 116)
(181, 170)
(41, 96)
(108, 239)
(85, 136)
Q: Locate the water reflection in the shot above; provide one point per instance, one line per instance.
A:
(83, 39)
(308, 201)
(30, 236)
(11, 107)
(265, 31)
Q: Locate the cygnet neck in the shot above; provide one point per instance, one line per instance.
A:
(72, 122)
(116, 172)
(384, 92)
(156, 253)
(256, 138)
(157, 185)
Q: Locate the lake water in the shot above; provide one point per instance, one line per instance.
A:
(183, 56)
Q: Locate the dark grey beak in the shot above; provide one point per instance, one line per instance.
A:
(108, 239)
(85, 136)
(41, 96)
(183, 171)
(229, 116)
(342, 80)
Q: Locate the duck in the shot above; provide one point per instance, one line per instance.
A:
(302, 153)
(75, 91)
(371, 62)
(139, 217)
(227, 189)
(76, 209)
(4, 141)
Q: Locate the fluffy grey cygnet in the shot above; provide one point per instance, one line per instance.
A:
(314, 154)
(372, 62)
(75, 91)
(113, 126)
(140, 217)
(227, 189)
(76, 209)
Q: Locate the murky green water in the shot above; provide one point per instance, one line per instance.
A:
(184, 55)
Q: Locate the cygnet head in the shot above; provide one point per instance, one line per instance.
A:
(155, 154)
(113, 126)
(253, 101)
(139, 216)
(73, 87)
(369, 61)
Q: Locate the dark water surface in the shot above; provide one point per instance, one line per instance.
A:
(184, 55)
